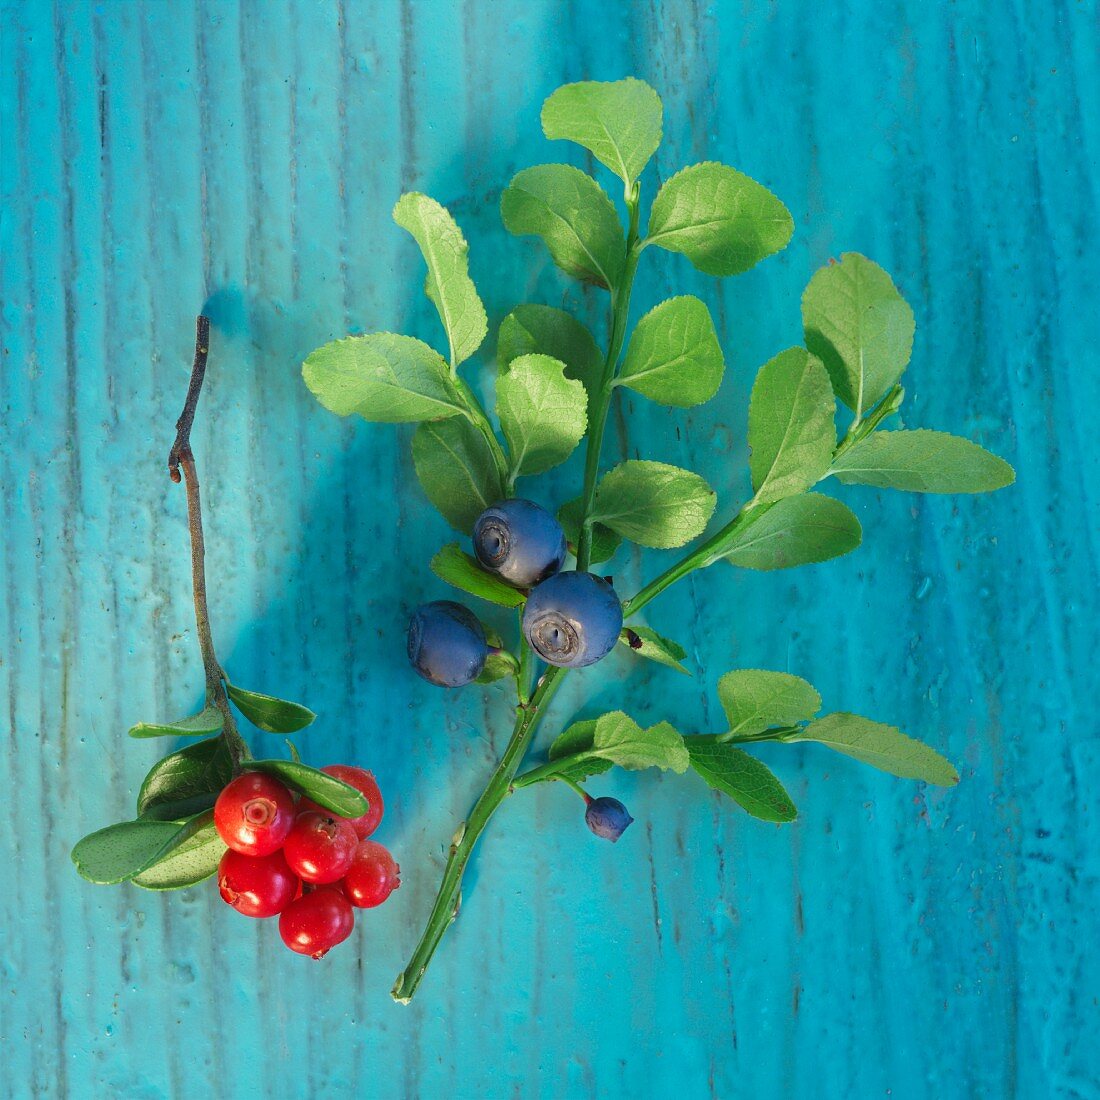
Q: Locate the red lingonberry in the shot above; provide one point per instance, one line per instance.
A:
(257, 886)
(367, 785)
(316, 922)
(254, 813)
(320, 847)
(372, 877)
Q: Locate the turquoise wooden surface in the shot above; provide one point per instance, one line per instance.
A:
(895, 940)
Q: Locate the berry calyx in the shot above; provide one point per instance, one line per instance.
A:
(257, 886)
(573, 619)
(365, 783)
(519, 541)
(446, 643)
(607, 818)
(254, 813)
(317, 922)
(372, 877)
(319, 847)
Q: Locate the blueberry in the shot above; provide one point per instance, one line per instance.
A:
(607, 817)
(573, 619)
(519, 541)
(446, 643)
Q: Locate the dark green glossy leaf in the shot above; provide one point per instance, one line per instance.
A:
(186, 782)
(271, 714)
(207, 721)
(324, 789)
(192, 861)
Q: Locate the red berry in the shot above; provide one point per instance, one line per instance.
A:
(372, 877)
(254, 813)
(320, 847)
(257, 886)
(316, 922)
(367, 785)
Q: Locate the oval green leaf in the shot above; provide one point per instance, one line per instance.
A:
(324, 789)
(384, 377)
(185, 782)
(923, 461)
(453, 565)
(543, 330)
(654, 504)
(734, 772)
(755, 699)
(207, 721)
(270, 714)
(193, 860)
(647, 643)
(723, 221)
(674, 356)
(574, 217)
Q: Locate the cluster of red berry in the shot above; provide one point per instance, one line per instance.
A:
(299, 861)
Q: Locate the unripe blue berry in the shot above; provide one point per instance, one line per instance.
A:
(573, 619)
(607, 817)
(446, 643)
(519, 541)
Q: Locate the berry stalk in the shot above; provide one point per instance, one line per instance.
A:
(181, 455)
(498, 788)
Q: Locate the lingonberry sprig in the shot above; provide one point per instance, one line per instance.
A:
(555, 387)
(284, 839)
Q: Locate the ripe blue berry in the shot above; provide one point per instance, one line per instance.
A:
(607, 817)
(519, 541)
(573, 619)
(446, 643)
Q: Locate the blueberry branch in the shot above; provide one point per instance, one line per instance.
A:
(181, 455)
(499, 787)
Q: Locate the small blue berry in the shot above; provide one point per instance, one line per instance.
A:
(573, 619)
(607, 817)
(519, 541)
(446, 643)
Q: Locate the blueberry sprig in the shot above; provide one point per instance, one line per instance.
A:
(555, 388)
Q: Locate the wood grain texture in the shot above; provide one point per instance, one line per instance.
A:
(163, 157)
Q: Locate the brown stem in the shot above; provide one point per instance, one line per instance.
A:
(182, 455)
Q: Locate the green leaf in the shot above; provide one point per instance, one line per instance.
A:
(648, 643)
(618, 122)
(923, 461)
(799, 530)
(322, 788)
(186, 782)
(542, 413)
(883, 747)
(448, 284)
(453, 565)
(748, 782)
(194, 860)
(617, 739)
(544, 330)
(654, 504)
(121, 851)
(604, 541)
(674, 356)
(720, 219)
(497, 667)
(456, 470)
(207, 721)
(621, 740)
(755, 699)
(573, 215)
(860, 327)
(791, 425)
(384, 377)
(268, 713)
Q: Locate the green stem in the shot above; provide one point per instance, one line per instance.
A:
(476, 415)
(601, 399)
(526, 661)
(861, 428)
(182, 455)
(447, 900)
